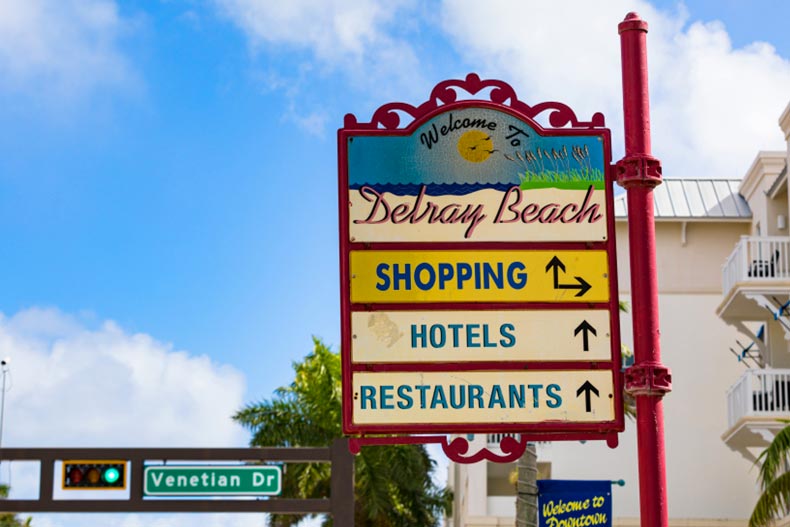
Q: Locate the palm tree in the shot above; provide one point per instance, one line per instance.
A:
(393, 484)
(774, 480)
(527, 488)
(6, 518)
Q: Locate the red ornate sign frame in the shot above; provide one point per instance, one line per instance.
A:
(401, 119)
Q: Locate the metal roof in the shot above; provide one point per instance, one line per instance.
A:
(700, 199)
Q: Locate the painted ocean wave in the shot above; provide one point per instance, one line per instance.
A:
(435, 189)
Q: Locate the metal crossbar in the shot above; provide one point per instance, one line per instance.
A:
(340, 503)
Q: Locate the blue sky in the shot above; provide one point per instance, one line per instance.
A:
(168, 173)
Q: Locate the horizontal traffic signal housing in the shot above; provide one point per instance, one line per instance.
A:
(94, 474)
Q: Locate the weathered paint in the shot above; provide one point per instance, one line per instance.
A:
(470, 336)
(457, 201)
(482, 397)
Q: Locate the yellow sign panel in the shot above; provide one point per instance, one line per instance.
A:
(479, 276)
(476, 397)
(465, 336)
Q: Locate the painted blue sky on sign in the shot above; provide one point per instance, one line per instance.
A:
(467, 146)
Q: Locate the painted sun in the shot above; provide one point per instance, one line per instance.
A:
(475, 146)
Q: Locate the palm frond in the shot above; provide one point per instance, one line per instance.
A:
(774, 501)
(774, 459)
(393, 485)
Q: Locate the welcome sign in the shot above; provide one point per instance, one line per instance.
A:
(478, 279)
(476, 174)
(574, 503)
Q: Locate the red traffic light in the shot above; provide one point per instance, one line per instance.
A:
(75, 475)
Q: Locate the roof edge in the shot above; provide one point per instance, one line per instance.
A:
(694, 200)
(767, 163)
(692, 219)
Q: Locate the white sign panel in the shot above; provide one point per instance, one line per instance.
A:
(483, 397)
(467, 336)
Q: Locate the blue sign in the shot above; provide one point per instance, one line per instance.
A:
(566, 503)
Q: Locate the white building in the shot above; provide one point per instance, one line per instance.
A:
(755, 300)
(723, 255)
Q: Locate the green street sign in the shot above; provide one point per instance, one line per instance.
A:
(212, 480)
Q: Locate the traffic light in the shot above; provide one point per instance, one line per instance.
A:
(94, 474)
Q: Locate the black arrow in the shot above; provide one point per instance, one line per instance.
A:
(557, 264)
(585, 328)
(582, 286)
(587, 387)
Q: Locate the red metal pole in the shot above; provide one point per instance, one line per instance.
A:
(639, 173)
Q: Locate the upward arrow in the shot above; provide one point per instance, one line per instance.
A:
(587, 388)
(585, 328)
(556, 264)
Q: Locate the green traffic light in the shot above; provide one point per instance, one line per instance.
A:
(93, 474)
(111, 475)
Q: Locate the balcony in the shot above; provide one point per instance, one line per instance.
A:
(502, 507)
(493, 440)
(755, 278)
(755, 403)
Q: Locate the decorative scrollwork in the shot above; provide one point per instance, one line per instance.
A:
(511, 449)
(455, 450)
(388, 116)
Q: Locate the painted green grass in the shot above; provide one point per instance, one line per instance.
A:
(569, 180)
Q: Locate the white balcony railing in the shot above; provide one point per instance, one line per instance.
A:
(759, 393)
(502, 506)
(494, 439)
(760, 259)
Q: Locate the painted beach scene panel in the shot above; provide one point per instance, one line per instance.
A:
(476, 174)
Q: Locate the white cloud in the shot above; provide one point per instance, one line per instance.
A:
(713, 106)
(314, 123)
(333, 29)
(363, 40)
(73, 385)
(717, 106)
(61, 48)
